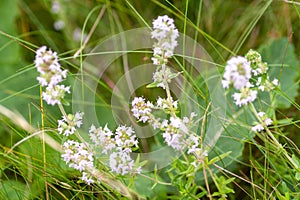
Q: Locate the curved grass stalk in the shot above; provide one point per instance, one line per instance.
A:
(104, 178)
(275, 142)
(19, 120)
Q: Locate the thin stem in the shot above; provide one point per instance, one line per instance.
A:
(114, 184)
(214, 180)
(91, 32)
(168, 93)
(275, 141)
(62, 110)
(43, 144)
(292, 2)
(206, 180)
(184, 156)
(155, 180)
(239, 177)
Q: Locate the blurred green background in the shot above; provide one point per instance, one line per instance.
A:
(223, 28)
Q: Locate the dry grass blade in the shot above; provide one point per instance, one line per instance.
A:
(19, 121)
(101, 13)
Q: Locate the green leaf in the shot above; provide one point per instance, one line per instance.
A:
(12, 189)
(285, 121)
(174, 75)
(297, 176)
(149, 188)
(152, 85)
(65, 102)
(296, 160)
(222, 186)
(220, 157)
(281, 55)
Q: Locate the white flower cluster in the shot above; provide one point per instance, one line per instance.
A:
(247, 75)
(79, 157)
(175, 131)
(121, 163)
(245, 96)
(51, 74)
(46, 62)
(162, 103)
(68, 125)
(264, 121)
(119, 145)
(237, 72)
(54, 95)
(141, 109)
(165, 32)
(265, 84)
(177, 135)
(76, 154)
